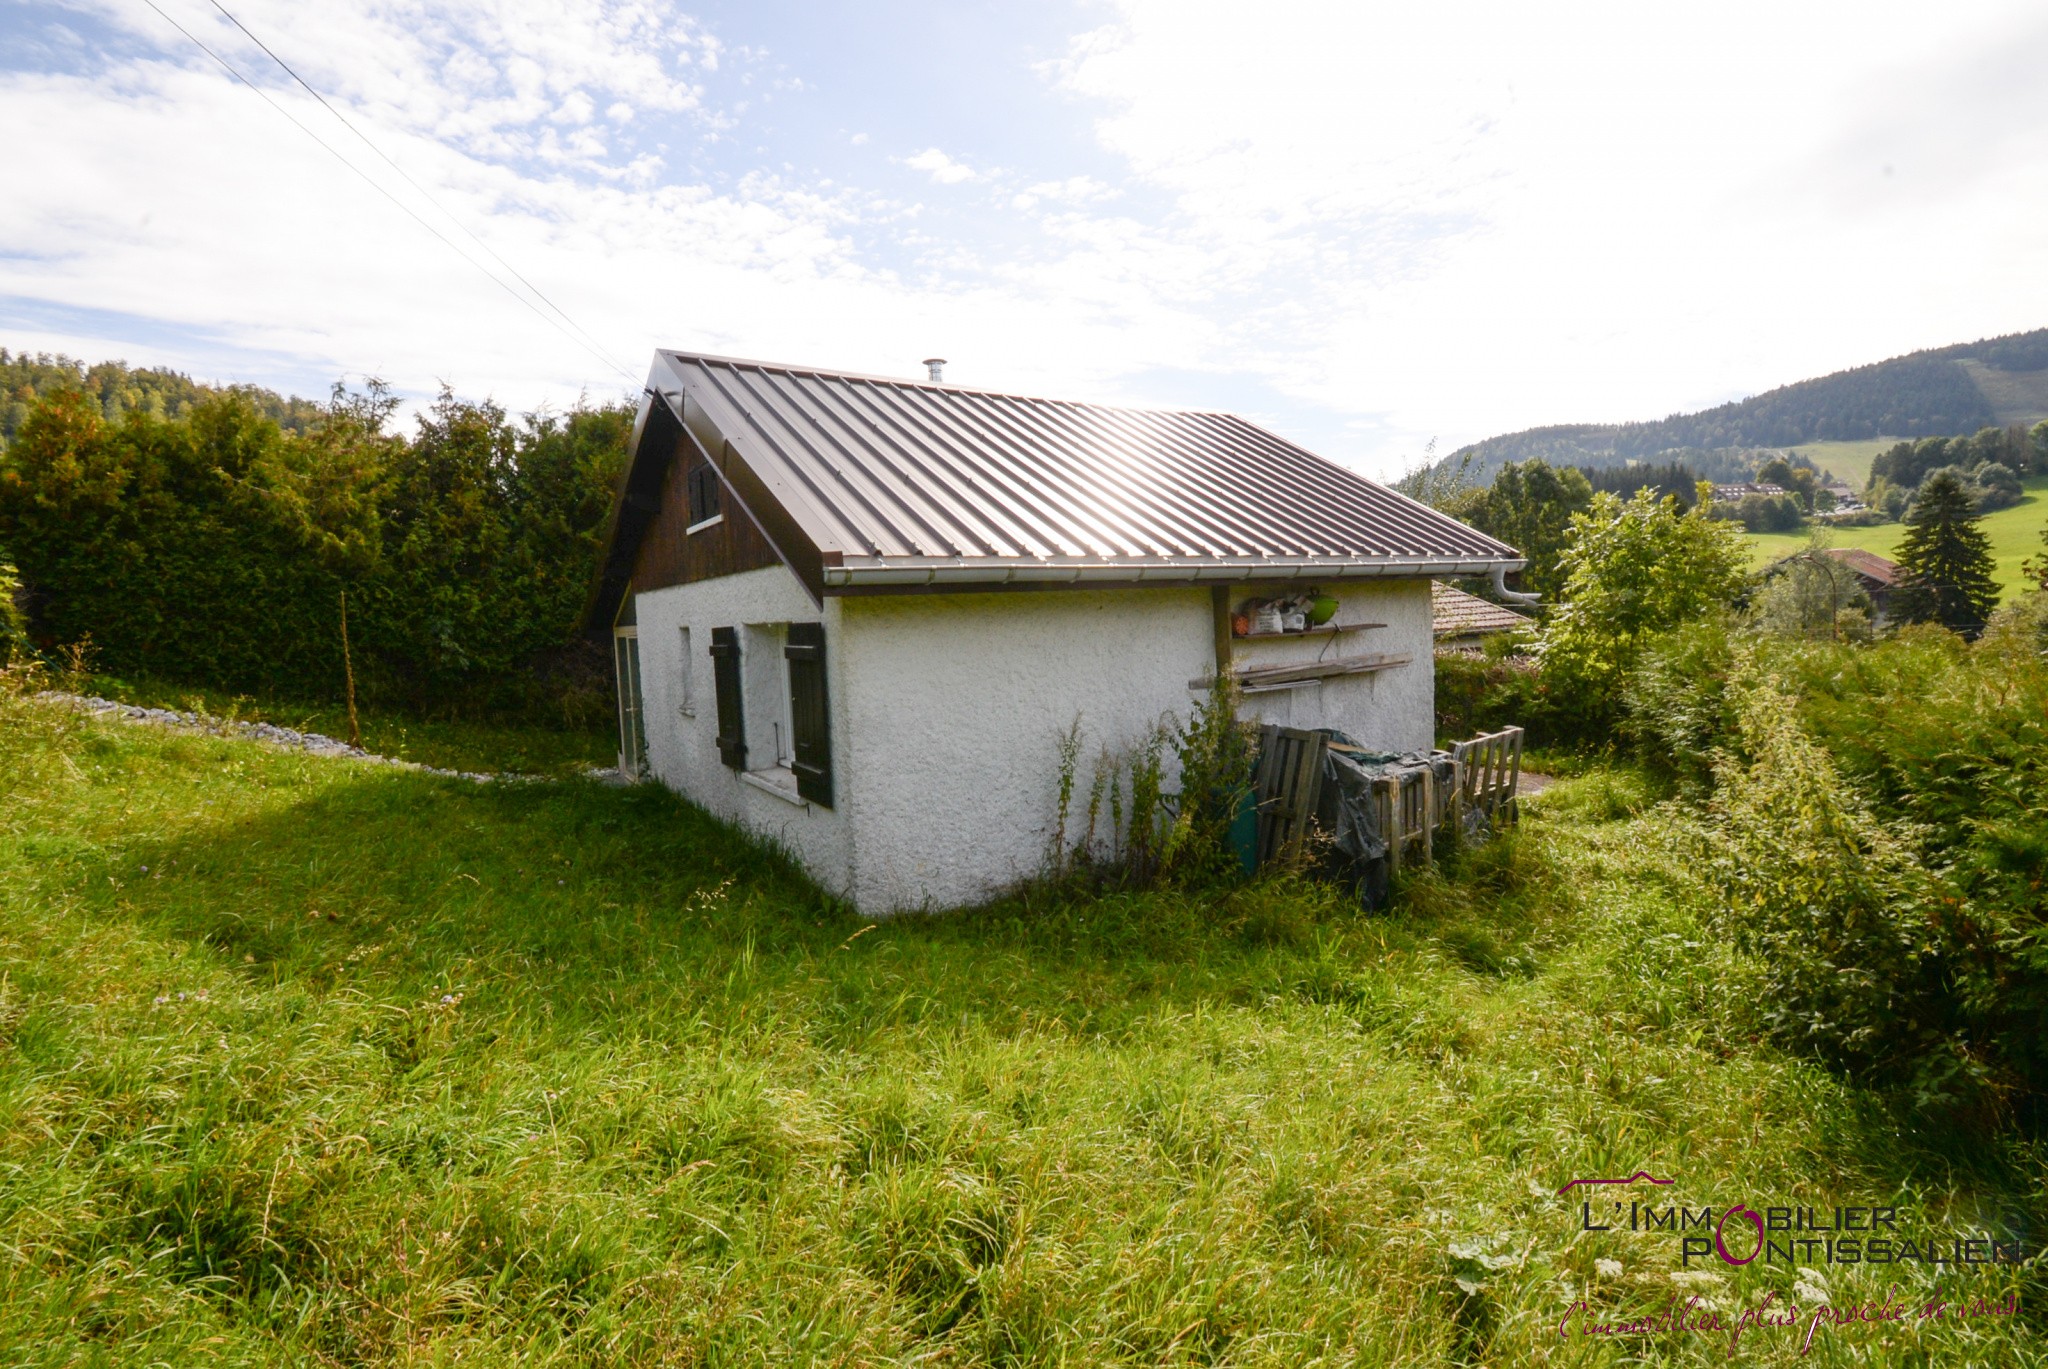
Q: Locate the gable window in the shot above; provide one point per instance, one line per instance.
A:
(704, 492)
(626, 665)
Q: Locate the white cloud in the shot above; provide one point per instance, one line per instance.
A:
(1401, 221)
(940, 167)
(1487, 217)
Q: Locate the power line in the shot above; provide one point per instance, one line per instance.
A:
(430, 197)
(229, 67)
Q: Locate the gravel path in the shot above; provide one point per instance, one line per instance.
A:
(271, 734)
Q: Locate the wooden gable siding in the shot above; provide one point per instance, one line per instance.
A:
(668, 556)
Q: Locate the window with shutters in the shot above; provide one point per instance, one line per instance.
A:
(703, 491)
(774, 716)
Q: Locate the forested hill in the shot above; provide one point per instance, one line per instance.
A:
(119, 388)
(1936, 393)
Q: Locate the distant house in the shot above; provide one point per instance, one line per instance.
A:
(858, 614)
(1729, 494)
(1463, 620)
(1878, 576)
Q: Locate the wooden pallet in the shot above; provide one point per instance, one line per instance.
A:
(1489, 772)
(1287, 784)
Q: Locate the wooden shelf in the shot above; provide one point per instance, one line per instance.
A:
(1258, 679)
(1326, 630)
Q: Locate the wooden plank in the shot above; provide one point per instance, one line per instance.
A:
(1253, 677)
(1327, 629)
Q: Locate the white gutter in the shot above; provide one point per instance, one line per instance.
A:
(912, 571)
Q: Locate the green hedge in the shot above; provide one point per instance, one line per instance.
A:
(214, 547)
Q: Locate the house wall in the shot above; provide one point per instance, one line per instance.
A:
(1388, 710)
(956, 707)
(671, 555)
(948, 710)
(682, 749)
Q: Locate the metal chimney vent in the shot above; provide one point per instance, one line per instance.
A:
(935, 369)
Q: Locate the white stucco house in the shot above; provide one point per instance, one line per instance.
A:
(857, 614)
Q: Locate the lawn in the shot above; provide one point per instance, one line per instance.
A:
(2015, 535)
(312, 1062)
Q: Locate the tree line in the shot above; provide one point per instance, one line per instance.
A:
(195, 537)
(1923, 394)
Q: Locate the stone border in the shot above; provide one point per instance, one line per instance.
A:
(270, 734)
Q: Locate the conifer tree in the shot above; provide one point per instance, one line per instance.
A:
(1945, 562)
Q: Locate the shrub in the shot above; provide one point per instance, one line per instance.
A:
(1811, 594)
(13, 622)
(212, 548)
(1834, 903)
(1952, 738)
(1632, 570)
(1678, 712)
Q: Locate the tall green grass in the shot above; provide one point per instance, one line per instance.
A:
(313, 1063)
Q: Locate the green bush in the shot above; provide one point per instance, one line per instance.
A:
(1678, 714)
(1836, 905)
(213, 547)
(1914, 767)
(13, 622)
(1632, 571)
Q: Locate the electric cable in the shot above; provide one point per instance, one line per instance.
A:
(409, 211)
(428, 194)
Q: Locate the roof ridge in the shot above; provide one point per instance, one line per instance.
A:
(943, 387)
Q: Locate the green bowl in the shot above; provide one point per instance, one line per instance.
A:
(1322, 610)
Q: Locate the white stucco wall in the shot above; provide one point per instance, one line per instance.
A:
(957, 708)
(948, 709)
(1388, 710)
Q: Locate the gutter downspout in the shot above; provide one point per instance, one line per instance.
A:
(1512, 596)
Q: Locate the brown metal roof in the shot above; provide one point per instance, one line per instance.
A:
(900, 483)
(1868, 564)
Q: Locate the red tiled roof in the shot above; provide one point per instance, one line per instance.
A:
(1459, 614)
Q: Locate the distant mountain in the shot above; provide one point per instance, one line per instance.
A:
(1936, 393)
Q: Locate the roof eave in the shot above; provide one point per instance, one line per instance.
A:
(909, 573)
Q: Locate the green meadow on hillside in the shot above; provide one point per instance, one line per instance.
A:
(314, 1062)
(1848, 460)
(2015, 535)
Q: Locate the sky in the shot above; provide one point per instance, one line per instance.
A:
(1377, 229)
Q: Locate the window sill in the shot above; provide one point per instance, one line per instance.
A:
(713, 521)
(781, 782)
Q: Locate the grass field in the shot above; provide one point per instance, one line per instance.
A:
(2015, 535)
(1849, 460)
(309, 1062)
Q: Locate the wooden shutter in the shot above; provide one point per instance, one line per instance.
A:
(725, 677)
(703, 491)
(810, 720)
